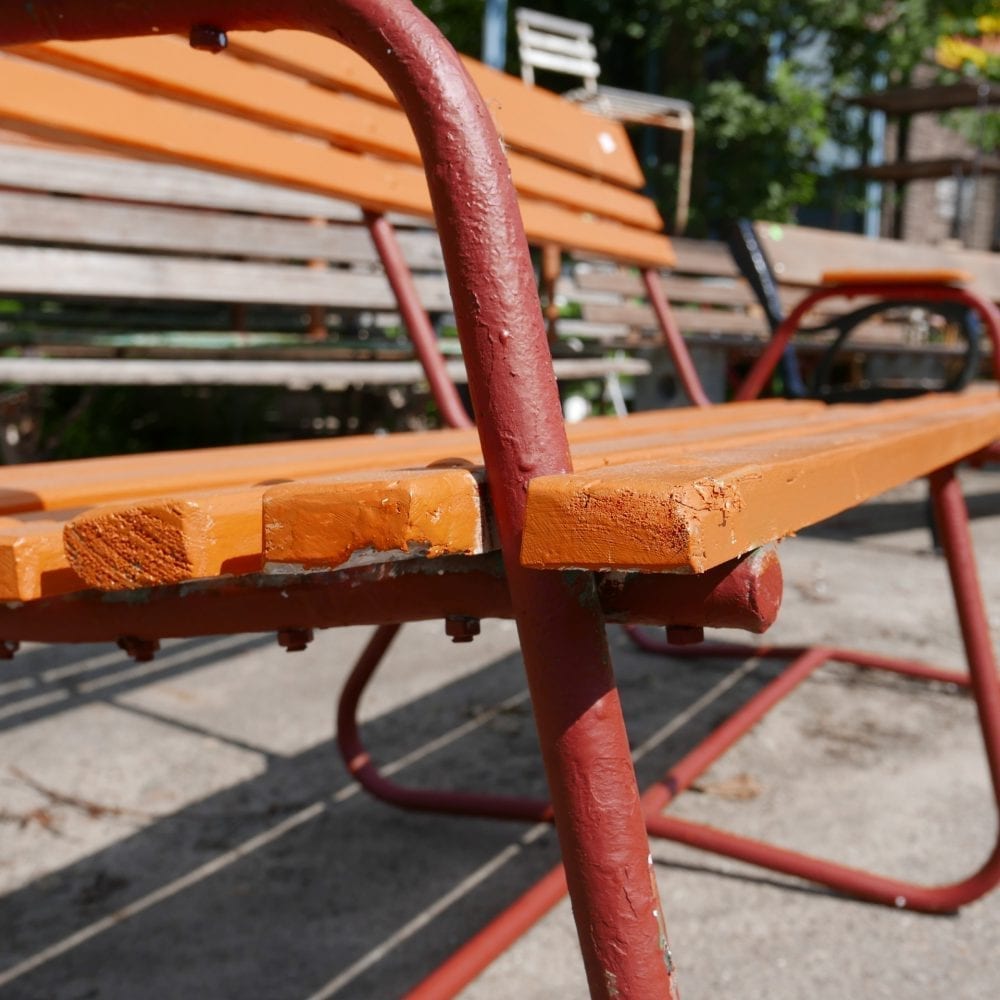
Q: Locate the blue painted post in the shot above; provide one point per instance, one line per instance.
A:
(495, 33)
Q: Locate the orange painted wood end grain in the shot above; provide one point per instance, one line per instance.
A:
(162, 541)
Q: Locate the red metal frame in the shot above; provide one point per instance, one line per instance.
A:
(577, 711)
(673, 339)
(756, 380)
(952, 518)
(418, 324)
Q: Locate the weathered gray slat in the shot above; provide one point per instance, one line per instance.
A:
(70, 172)
(689, 320)
(330, 375)
(95, 274)
(47, 219)
(704, 257)
(800, 255)
(677, 289)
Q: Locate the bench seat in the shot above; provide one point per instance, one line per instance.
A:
(679, 492)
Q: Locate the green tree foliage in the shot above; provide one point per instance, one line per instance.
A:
(770, 80)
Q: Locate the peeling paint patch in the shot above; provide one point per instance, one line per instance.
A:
(611, 983)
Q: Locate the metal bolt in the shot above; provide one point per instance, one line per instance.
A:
(8, 647)
(141, 650)
(685, 635)
(461, 628)
(206, 38)
(295, 640)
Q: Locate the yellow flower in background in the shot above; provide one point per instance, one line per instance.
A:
(988, 24)
(952, 52)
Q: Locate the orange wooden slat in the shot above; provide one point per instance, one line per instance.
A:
(55, 104)
(527, 118)
(690, 513)
(310, 524)
(367, 516)
(167, 67)
(33, 562)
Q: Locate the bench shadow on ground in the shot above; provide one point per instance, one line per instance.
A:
(319, 899)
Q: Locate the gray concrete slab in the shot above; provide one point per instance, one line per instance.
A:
(185, 827)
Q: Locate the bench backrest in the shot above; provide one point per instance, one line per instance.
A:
(164, 233)
(266, 109)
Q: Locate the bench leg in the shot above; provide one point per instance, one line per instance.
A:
(596, 806)
(952, 518)
(588, 763)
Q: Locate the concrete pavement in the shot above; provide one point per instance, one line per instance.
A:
(184, 828)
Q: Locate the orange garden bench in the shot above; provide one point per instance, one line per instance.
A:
(661, 518)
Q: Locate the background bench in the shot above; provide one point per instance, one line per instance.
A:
(907, 348)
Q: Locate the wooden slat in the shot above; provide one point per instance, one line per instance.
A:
(336, 523)
(688, 320)
(529, 119)
(365, 517)
(709, 257)
(677, 289)
(33, 561)
(99, 274)
(330, 376)
(330, 523)
(690, 513)
(86, 482)
(65, 171)
(41, 218)
(165, 67)
(32, 544)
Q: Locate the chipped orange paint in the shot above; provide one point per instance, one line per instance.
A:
(691, 512)
(141, 544)
(431, 512)
(32, 561)
(173, 539)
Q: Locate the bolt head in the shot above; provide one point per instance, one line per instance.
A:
(461, 628)
(294, 640)
(207, 38)
(685, 635)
